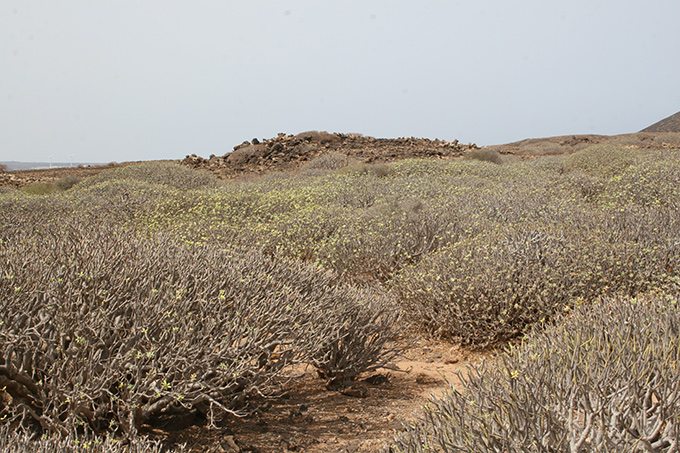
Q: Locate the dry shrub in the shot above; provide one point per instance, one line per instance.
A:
(118, 201)
(377, 243)
(355, 339)
(326, 164)
(588, 186)
(360, 169)
(103, 331)
(19, 441)
(547, 164)
(245, 154)
(491, 287)
(485, 155)
(321, 137)
(658, 140)
(167, 173)
(605, 160)
(654, 181)
(607, 379)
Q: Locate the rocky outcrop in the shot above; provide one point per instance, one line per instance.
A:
(287, 152)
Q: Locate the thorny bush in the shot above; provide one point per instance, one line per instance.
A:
(167, 173)
(326, 164)
(102, 331)
(471, 251)
(485, 155)
(605, 380)
(19, 441)
(492, 287)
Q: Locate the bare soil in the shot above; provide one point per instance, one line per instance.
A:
(360, 418)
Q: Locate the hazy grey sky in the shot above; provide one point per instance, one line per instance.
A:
(117, 80)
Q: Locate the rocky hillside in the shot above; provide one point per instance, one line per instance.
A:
(287, 152)
(670, 124)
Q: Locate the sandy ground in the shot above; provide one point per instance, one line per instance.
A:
(362, 418)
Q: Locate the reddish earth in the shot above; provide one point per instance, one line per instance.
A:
(360, 419)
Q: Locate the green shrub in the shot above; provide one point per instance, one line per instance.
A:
(606, 379)
(66, 182)
(46, 188)
(39, 188)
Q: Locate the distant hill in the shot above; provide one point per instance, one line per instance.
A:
(670, 124)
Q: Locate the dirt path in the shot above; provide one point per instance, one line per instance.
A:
(361, 419)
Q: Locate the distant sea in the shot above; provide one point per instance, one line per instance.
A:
(14, 165)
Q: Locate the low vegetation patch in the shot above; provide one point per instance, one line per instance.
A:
(156, 291)
(104, 331)
(45, 188)
(605, 379)
(493, 286)
(485, 155)
(20, 441)
(166, 173)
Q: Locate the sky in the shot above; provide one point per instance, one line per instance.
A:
(128, 80)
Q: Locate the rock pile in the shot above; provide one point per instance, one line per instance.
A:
(10, 180)
(287, 152)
